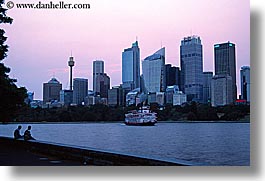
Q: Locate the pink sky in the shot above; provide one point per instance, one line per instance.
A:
(41, 40)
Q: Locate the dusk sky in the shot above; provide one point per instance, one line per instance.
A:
(41, 40)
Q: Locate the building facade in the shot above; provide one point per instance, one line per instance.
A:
(154, 72)
(245, 82)
(66, 97)
(102, 85)
(80, 91)
(225, 63)
(115, 96)
(207, 79)
(179, 98)
(221, 90)
(51, 91)
(170, 91)
(191, 61)
(98, 69)
(131, 66)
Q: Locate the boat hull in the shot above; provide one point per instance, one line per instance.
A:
(140, 124)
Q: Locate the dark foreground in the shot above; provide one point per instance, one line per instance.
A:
(11, 155)
(37, 153)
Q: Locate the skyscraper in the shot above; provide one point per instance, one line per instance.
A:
(102, 85)
(80, 90)
(98, 69)
(245, 82)
(51, 91)
(207, 78)
(225, 63)
(191, 68)
(221, 90)
(154, 72)
(131, 67)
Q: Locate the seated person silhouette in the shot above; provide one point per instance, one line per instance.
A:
(17, 134)
(27, 134)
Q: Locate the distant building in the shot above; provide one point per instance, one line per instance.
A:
(80, 90)
(225, 63)
(191, 68)
(245, 83)
(66, 97)
(154, 72)
(51, 91)
(36, 104)
(179, 98)
(98, 69)
(207, 79)
(156, 97)
(115, 96)
(131, 67)
(102, 85)
(29, 98)
(172, 75)
(221, 90)
(170, 91)
(131, 97)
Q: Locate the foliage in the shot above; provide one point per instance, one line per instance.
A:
(100, 113)
(12, 97)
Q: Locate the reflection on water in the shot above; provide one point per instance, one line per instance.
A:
(210, 143)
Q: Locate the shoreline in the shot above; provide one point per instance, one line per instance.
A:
(115, 122)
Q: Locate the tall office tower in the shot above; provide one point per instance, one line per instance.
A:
(170, 73)
(71, 63)
(225, 63)
(191, 68)
(102, 85)
(178, 77)
(221, 90)
(245, 82)
(98, 69)
(51, 90)
(131, 67)
(80, 90)
(154, 72)
(207, 78)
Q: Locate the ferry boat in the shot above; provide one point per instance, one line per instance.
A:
(142, 117)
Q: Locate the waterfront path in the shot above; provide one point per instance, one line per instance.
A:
(17, 156)
(39, 153)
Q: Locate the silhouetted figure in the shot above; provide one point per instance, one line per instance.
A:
(17, 134)
(27, 134)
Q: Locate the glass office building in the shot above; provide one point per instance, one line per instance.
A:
(191, 68)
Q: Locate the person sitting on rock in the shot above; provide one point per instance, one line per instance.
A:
(27, 134)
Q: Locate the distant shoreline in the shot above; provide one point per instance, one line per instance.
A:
(103, 122)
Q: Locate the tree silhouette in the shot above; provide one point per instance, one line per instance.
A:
(11, 97)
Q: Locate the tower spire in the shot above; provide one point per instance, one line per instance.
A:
(71, 63)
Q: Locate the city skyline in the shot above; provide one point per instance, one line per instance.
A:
(91, 36)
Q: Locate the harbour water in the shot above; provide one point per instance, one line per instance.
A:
(208, 143)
